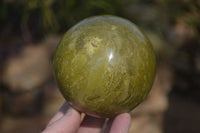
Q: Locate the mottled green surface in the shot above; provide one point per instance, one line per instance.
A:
(104, 66)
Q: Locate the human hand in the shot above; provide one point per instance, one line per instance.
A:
(69, 120)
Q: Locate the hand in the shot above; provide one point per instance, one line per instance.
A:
(69, 120)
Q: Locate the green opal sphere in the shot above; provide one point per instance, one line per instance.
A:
(104, 66)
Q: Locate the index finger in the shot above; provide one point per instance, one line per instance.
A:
(60, 113)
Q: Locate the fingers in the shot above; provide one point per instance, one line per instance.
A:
(67, 121)
(108, 125)
(60, 113)
(91, 125)
(120, 124)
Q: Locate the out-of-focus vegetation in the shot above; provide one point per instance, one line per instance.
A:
(45, 16)
(31, 29)
(50, 16)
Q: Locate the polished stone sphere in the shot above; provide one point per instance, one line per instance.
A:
(104, 66)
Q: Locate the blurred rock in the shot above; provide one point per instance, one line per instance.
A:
(31, 67)
(25, 77)
(51, 43)
(183, 32)
(183, 114)
(145, 124)
(197, 62)
(163, 50)
(22, 103)
(23, 124)
(53, 100)
(165, 77)
(28, 70)
(148, 117)
(0, 107)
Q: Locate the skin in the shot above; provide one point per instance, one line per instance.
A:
(69, 120)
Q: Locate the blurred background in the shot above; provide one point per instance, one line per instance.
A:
(31, 29)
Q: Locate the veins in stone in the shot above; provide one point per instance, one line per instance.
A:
(94, 45)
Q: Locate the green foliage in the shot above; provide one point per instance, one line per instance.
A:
(40, 17)
(51, 15)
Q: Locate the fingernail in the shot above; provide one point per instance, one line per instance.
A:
(128, 123)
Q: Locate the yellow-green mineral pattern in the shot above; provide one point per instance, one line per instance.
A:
(104, 66)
